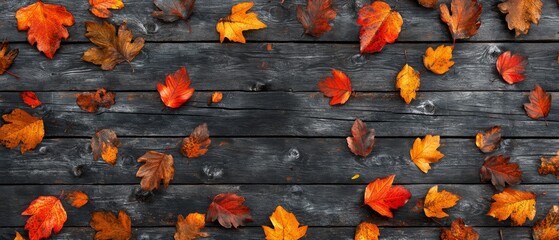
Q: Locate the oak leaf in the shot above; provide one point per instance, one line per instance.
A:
(489, 140)
(464, 21)
(521, 13)
(216, 97)
(316, 17)
(546, 229)
(425, 152)
(408, 82)
(229, 210)
(337, 87)
(379, 25)
(46, 215)
(459, 231)
(197, 143)
(438, 61)
(18, 236)
(367, 231)
(232, 26)
(188, 228)
(511, 67)
(500, 171)
(539, 105)
(173, 10)
(108, 226)
(286, 226)
(91, 102)
(113, 49)
(428, 3)
(177, 89)
(6, 59)
(157, 166)
(105, 144)
(435, 201)
(20, 127)
(100, 8)
(516, 204)
(381, 196)
(362, 141)
(76, 198)
(45, 23)
(549, 165)
(31, 99)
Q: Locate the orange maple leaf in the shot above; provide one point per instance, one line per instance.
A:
(232, 26)
(337, 87)
(367, 231)
(189, 228)
(362, 141)
(516, 204)
(47, 215)
(464, 21)
(105, 144)
(6, 60)
(197, 143)
(549, 165)
(109, 227)
(511, 67)
(438, 61)
(381, 196)
(286, 226)
(521, 13)
(539, 105)
(435, 201)
(100, 8)
(20, 127)
(315, 18)
(76, 198)
(45, 23)
(546, 229)
(157, 166)
(489, 140)
(459, 231)
(425, 152)
(408, 82)
(91, 102)
(379, 25)
(177, 89)
(31, 99)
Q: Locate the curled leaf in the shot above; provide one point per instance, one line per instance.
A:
(425, 152)
(520, 13)
(173, 10)
(228, 210)
(316, 17)
(337, 87)
(20, 127)
(232, 26)
(516, 204)
(362, 141)
(379, 25)
(381, 196)
(511, 67)
(105, 144)
(438, 61)
(46, 215)
(464, 21)
(188, 228)
(76, 198)
(108, 226)
(436, 201)
(31, 99)
(367, 231)
(489, 140)
(408, 82)
(197, 143)
(459, 231)
(157, 166)
(100, 8)
(286, 226)
(91, 102)
(176, 90)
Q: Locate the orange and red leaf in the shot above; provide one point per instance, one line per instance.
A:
(381, 196)
(511, 67)
(379, 25)
(337, 87)
(176, 90)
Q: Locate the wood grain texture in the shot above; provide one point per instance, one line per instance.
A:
(420, 24)
(288, 67)
(271, 161)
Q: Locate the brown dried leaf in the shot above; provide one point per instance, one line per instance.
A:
(546, 229)
(197, 143)
(157, 166)
(549, 165)
(489, 140)
(91, 102)
(521, 13)
(500, 171)
(105, 144)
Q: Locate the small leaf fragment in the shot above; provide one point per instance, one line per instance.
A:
(91, 102)
(100, 8)
(31, 99)
(105, 144)
(173, 10)
(76, 198)
(367, 231)
(459, 231)
(546, 229)
(549, 165)
(489, 140)
(216, 97)
(197, 143)
(428, 3)
(6, 59)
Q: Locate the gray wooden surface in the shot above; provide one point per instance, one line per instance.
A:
(275, 139)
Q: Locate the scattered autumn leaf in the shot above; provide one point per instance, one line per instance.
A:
(229, 210)
(489, 140)
(173, 10)
(511, 67)
(425, 152)
(18, 236)
(216, 97)
(363, 139)
(464, 21)
(45, 23)
(197, 143)
(521, 13)
(157, 166)
(105, 144)
(408, 82)
(76, 198)
(428, 3)
(113, 49)
(20, 127)
(31, 99)
(316, 17)
(100, 8)
(539, 105)
(367, 231)
(46, 215)
(379, 25)
(286, 226)
(6, 60)
(500, 171)
(516, 204)
(232, 26)
(546, 229)
(435, 201)
(459, 231)
(108, 226)
(177, 89)
(381, 196)
(356, 176)
(337, 87)
(188, 228)
(438, 61)
(549, 165)
(91, 102)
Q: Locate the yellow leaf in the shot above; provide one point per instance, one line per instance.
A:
(189, 228)
(286, 226)
(435, 201)
(20, 127)
(547, 227)
(516, 204)
(425, 151)
(367, 231)
(408, 82)
(18, 236)
(356, 176)
(439, 61)
(232, 26)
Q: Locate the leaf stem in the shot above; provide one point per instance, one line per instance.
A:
(12, 74)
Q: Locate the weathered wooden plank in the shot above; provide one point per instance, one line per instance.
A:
(288, 67)
(271, 161)
(296, 114)
(420, 24)
(314, 205)
(319, 233)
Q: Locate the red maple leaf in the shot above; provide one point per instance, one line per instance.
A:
(316, 17)
(381, 196)
(379, 26)
(338, 87)
(47, 214)
(511, 67)
(539, 105)
(500, 171)
(229, 210)
(177, 89)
